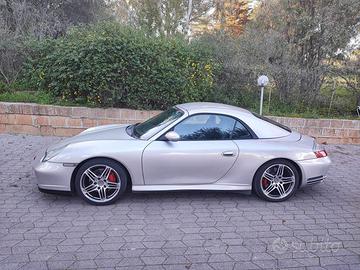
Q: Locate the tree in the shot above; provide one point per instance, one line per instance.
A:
(185, 17)
(349, 72)
(162, 17)
(20, 20)
(228, 16)
(231, 16)
(296, 41)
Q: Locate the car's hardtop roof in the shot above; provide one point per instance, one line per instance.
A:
(209, 106)
(260, 126)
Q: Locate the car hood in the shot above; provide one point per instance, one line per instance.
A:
(107, 132)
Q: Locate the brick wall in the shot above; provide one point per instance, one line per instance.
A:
(26, 118)
(331, 131)
(48, 120)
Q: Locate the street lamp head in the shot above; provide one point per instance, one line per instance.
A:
(263, 80)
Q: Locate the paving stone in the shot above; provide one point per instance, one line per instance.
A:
(35, 266)
(11, 266)
(222, 265)
(23, 258)
(176, 260)
(58, 265)
(132, 261)
(87, 264)
(177, 230)
(153, 260)
(107, 262)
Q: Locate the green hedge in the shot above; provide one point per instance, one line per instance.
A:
(112, 65)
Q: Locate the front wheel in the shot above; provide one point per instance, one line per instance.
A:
(276, 180)
(100, 181)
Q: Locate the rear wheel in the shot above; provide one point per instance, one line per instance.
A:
(100, 181)
(276, 180)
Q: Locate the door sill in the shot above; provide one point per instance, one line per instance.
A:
(190, 187)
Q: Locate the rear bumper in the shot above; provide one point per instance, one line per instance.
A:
(52, 176)
(314, 170)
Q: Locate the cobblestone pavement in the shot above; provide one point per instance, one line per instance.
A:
(317, 229)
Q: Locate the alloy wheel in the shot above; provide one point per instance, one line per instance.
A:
(100, 183)
(277, 181)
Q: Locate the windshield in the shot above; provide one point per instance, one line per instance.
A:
(157, 123)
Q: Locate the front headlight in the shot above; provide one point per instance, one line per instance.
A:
(52, 153)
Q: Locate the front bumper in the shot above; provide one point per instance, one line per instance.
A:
(51, 175)
(314, 170)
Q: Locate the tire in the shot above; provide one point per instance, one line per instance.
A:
(274, 184)
(101, 181)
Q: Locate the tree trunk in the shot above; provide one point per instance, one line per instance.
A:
(11, 19)
(188, 19)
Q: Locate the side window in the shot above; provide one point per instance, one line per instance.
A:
(240, 132)
(204, 127)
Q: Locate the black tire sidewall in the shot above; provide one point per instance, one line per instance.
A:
(103, 161)
(261, 170)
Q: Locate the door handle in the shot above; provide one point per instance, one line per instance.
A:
(228, 153)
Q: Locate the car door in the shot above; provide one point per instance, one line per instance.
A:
(203, 155)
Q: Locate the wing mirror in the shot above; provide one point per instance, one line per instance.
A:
(172, 136)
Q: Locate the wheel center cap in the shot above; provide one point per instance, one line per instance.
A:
(101, 183)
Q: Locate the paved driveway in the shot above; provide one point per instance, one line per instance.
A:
(319, 228)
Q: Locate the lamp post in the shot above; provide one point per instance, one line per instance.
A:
(262, 82)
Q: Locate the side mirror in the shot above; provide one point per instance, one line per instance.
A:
(172, 136)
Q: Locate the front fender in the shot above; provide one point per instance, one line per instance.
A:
(127, 152)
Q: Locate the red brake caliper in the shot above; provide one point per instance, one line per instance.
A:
(265, 182)
(112, 177)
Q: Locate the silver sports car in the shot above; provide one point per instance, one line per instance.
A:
(193, 146)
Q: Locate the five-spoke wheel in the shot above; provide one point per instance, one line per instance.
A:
(100, 181)
(276, 180)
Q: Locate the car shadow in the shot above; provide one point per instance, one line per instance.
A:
(187, 197)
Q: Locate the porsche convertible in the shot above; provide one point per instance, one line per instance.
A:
(192, 146)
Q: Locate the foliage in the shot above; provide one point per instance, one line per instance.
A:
(303, 46)
(11, 58)
(27, 96)
(230, 16)
(346, 72)
(277, 108)
(183, 17)
(38, 19)
(111, 65)
(14, 86)
(296, 41)
(235, 82)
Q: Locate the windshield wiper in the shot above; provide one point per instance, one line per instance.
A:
(134, 132)
(130, 130)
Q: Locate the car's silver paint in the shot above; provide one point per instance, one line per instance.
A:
(239, 187)
(187, 162)
(107, 132)
(159, 165)
(52, 176)
(261, 128)
(127, 152)
(172, 136)
(313, 167)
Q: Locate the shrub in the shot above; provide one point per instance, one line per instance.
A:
(111, 65)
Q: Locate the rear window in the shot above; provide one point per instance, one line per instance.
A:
(272, 122)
